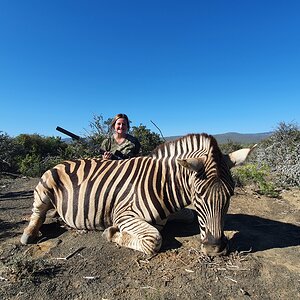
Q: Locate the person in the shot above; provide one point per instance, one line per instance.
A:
(120, 145)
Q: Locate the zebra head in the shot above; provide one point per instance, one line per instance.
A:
(211, 187)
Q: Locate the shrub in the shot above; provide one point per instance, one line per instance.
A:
(35, 154)
(8, 152)
(281, 153)
(252, 174)
(149, 140)
(39, 145)
(230, 146)
(30, 165)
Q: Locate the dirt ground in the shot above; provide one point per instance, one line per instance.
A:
(264, 262)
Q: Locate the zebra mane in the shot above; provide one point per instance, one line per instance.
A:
(187, 145)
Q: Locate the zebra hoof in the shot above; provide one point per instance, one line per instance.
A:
(109, 232)
(27, 239)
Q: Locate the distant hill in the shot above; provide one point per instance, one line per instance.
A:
(240, 138)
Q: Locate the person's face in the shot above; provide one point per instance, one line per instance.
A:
(121, 126)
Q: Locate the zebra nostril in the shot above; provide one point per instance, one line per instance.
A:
(215, 247)
(214, 250)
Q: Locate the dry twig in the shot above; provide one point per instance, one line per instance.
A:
(148, 287)
(91, 277)
(70, 255)
(233, 280)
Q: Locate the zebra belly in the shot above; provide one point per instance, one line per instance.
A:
(81, 216)
(84, 223)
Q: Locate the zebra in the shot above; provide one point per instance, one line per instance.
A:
(130, 200)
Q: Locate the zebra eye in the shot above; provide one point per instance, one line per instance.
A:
(201, 175)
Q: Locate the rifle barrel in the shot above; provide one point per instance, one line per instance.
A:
(70, 134)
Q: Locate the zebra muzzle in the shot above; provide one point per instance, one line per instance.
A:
(215, 247)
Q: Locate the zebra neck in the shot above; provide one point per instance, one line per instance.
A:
(176, 186)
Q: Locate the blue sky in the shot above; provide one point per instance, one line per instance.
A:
(189, 66)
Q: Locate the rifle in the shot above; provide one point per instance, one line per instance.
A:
(78, 138)
(69, 133)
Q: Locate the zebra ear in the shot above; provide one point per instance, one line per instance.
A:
(193, 164)
(238, 157)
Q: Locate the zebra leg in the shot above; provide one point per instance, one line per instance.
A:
(41, 205)
(136, 234)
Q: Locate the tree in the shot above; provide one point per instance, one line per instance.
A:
(149, 140)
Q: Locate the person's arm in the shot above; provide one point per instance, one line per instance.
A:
(105, 145)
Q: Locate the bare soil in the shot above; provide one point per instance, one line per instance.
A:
(264, 262)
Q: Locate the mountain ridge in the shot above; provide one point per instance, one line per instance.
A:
(241, 138)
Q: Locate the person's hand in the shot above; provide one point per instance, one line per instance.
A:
(107, 155)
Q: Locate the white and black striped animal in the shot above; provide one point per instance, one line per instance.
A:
(131, 199)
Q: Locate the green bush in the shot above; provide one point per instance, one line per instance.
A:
(252, 174)
(34, 154)
(39, 145)
(33, 165)
(149, 140)
(30, 165)
(9, 151)
(230, 146)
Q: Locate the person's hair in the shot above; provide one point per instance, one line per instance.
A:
(119, 116)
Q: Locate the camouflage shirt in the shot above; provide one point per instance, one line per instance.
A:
(130, 147)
